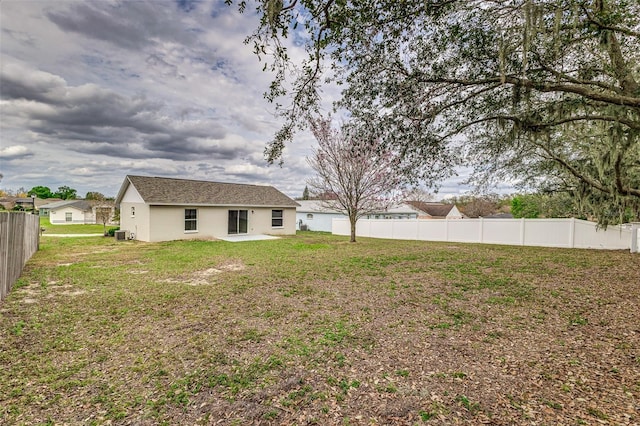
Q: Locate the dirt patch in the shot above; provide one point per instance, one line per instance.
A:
(51, 290)
(207, 272)
(204, 276)
(232, 266)
(73, 293)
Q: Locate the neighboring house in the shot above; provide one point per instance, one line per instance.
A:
(8, 203)
(68, 212)
(164, 209)
(101, 210)
(24, 203)
(401, 211)
(312, 215)
(428, 210)
(27, 203)
(43, 202)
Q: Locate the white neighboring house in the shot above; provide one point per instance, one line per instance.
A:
(68, 212)
(312, 215)
(165, 209)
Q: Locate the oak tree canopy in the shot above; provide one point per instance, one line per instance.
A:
(544, 92)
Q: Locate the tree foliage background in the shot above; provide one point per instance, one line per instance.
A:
(543, 92)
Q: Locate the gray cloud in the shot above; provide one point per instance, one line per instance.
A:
(93, 120)
(98, 89)
(20, 36)
(15, 152)
(164, 67)
(18, 82)
(131, 25)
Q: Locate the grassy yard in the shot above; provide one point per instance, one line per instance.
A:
(313, 330)
(71, 229)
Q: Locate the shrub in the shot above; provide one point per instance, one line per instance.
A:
(112, 231)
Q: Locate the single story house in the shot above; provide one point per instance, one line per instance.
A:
(428, 210)
(68, 212)
(164, 209)
(23, 203)
(313, 215)
(27, 203)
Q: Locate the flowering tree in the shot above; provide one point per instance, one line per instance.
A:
(358, 175)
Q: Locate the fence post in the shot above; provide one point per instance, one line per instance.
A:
(393, 231)
(635, 231)
(522, 231)
(572, 233)
(481, 230)
(446, 229)
(4, 254)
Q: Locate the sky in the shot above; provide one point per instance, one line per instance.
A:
(91, 91)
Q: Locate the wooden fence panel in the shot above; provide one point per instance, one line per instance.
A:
(19, 240)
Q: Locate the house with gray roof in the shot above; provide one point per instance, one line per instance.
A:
(315, 215)
(68, 212)
(164, 209)
(428, 210)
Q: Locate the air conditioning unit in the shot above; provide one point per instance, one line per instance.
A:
(121, 235)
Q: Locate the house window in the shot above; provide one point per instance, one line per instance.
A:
(190, 220)
(133, 212)
(309, 216)
(68, 217)
(276, 218)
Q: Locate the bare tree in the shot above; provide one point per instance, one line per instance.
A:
(481, 205)
(419, 194)
(103, 209)
(359, 175)
(103, 216)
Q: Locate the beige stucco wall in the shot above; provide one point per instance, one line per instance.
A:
(137, 224)
(260, 221)
(166, 223)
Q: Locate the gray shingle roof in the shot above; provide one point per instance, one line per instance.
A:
(432, 209)
(78, 204)
(160, 190)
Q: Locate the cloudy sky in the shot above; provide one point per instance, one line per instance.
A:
(91, 91)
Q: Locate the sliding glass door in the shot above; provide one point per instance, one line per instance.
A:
(238, 221)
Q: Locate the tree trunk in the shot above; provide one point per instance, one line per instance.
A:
(353, 221)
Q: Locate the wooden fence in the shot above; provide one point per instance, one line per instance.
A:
(19, 240)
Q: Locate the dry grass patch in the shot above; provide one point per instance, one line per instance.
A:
(313, 330)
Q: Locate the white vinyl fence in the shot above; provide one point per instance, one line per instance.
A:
(568, 233)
